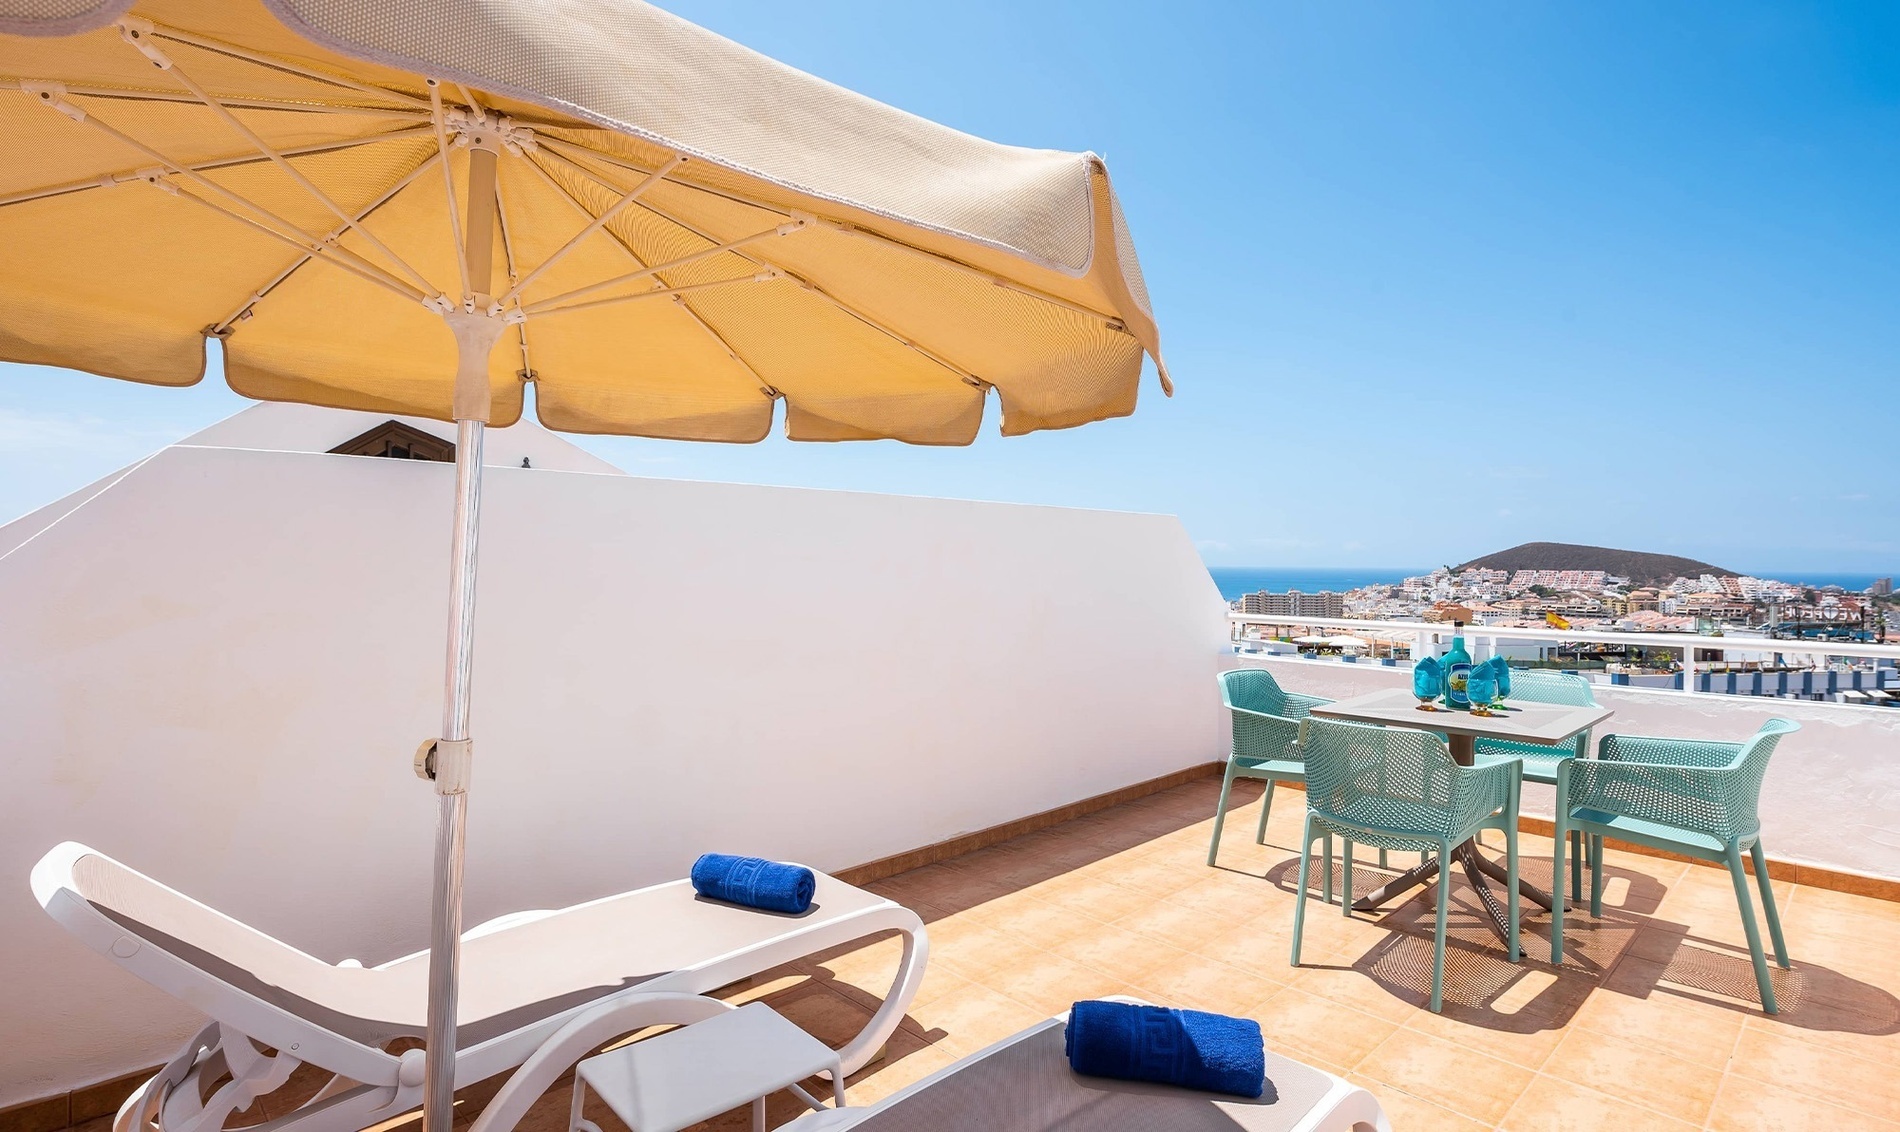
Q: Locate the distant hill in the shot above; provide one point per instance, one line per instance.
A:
(1642, 569)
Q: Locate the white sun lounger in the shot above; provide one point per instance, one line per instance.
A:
(651, 951)
(1024, 1084)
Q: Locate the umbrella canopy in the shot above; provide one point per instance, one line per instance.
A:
(425, 206)
(681, 232)
(1312, 640)
(1348, 642)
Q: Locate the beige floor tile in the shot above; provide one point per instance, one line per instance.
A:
(1696, 1032)
(1748, 1105)
(1120, 953)
(1870, 1087)
(1525, 1040)
(1639, 1074)
(1306, 1024)
(971, 1017)
(1408, 1113)
(1200, 983)
(1554, 1105)
(1050, 984)
(1447, 1074)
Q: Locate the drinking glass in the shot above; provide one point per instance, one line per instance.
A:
(1428, 682)
(1503, 669)
(1481, 688)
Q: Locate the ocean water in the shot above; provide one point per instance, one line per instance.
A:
(1852, 583)
(1236, 580)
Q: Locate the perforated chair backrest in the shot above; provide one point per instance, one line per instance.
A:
(1395, 779)
(1253, 689)
(1552, 688)
(1745, 789)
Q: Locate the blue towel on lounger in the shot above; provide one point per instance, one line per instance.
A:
(1189, 1048)
(754, 882)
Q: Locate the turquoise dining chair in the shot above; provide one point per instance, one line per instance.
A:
(1266, 732)
(1541, 762)
(1690, 796)
(1398, 788)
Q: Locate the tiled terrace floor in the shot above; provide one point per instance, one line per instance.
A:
(1651, 1022)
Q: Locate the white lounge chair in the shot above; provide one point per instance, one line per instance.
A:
(650, 953)
(1023, 1084)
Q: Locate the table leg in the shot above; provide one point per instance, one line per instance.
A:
(1500, 874)
(1406, 881)
(1464, 752)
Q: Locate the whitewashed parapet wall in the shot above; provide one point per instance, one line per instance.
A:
(1832, 795)
(218, 669)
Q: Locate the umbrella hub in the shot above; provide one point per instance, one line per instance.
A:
(487, 131)
(477, 325)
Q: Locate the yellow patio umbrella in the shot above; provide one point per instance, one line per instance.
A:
(425, 206)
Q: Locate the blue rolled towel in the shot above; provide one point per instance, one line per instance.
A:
(1189, 1048)
(754, 882)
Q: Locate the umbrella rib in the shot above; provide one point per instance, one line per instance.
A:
(658, 292)
(448, 182)
(222, 327)
(810, 287)
(1114, 322)
(114, 179)
(732, 352)
(262, 60)
(131, 94)
(349, 264)
(135, 38)
(562, 301)
(508, 255)
(596, 224)
(55, 100)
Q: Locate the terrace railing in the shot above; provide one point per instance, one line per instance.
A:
(1421, 636)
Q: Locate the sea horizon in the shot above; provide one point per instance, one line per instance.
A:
(1233, 581)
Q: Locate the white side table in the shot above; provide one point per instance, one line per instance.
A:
(680, 1078)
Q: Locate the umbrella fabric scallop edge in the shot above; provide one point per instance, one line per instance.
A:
(322, 184)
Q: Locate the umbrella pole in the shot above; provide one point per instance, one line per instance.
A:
(477, 326)
(451, 820)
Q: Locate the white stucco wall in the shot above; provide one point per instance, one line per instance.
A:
(1832, 795)
(218, 668)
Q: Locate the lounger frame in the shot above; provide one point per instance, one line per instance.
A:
(260, 1043)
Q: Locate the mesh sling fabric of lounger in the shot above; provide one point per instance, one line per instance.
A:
(425, 206)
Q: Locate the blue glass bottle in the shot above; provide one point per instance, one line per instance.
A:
(1457, 664)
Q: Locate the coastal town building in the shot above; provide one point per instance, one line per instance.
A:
(1293, 603)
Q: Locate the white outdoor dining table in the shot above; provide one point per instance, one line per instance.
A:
(1544, 724)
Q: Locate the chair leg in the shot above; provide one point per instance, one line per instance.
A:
(1510, 867)
(1266, 808)
(1557, 843)
(1438, 933)
(1576, 866)
(1326, 882)
(1382, 862)
(1596, 876)
(1299, 893)
(1747, 906)
(1345, 876)
(1768, 904)
(1220, 811)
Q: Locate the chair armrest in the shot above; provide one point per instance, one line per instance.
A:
(1703, 799)
(1297, 706)
(1483, 788)
(1260, 736)
(1707, 753)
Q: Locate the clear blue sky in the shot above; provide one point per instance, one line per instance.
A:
(1432, 279)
